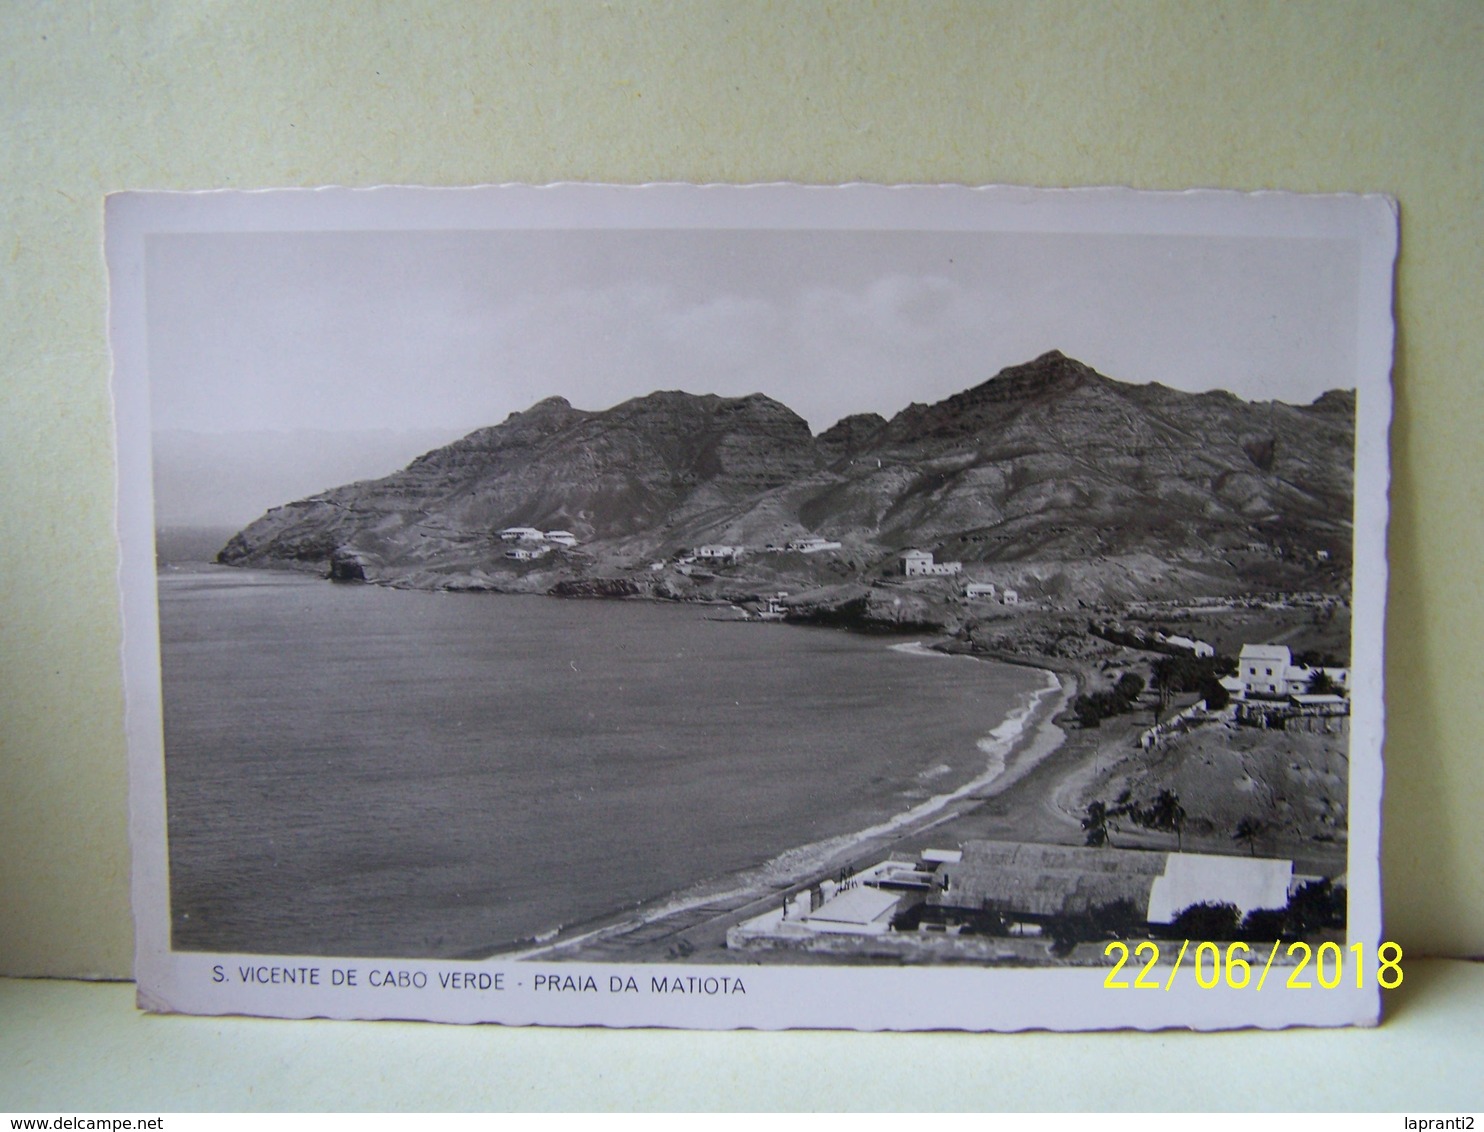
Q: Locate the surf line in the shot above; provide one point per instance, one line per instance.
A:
(799, 863)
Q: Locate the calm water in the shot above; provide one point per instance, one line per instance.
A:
(361, 771)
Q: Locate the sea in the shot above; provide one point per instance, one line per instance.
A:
(362, 771)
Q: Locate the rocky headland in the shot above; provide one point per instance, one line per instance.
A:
(1073, 488)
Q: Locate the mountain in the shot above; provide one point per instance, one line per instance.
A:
(1048, 475)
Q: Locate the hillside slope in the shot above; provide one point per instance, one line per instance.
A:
(1049, 473)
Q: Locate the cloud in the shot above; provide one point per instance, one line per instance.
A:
(364, 330)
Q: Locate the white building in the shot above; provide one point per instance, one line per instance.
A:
(526, 553)
(1268, 670)
(713, 552)
(919, 563)
(521, 534)
(1194, 647)
(1251, 883)
(1264, 670)
(561, 538)
(811, 545)
(1031, 883)
(980, 589)
(915, 561)
(1010, 597)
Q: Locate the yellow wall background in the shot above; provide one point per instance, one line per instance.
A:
(1383, 96)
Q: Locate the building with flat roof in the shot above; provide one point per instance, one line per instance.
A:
(919, 563)
(1005, 889)
(1264, 669)
(1190, 645)
(520, 534)
(527, 553)
(812, 545)
(1030, 883)
(715, 552)
(1268, 671)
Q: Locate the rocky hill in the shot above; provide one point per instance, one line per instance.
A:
(1049, 476)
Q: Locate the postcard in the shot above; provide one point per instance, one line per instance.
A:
(877, 607)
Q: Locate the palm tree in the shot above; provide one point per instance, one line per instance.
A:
(1167, 814)
(1248, 830)
(1320, 684)
(1096, 825)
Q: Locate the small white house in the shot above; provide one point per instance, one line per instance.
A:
(1194, 647)
(561, 538)
(527, 553)
(980, 589)
(1010, 597)
(713, 552)
(521, 534)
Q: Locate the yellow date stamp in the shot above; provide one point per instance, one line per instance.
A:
(1309, 968)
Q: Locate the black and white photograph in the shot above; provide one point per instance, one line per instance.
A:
(861, 606)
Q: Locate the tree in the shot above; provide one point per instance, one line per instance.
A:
(1174, 674)
(1248, 830)
(1208, 921)
(1316, 905)
(1096, 825)
(1264, 925)
(1066, 932)
(1183, 673)
(1167, 815)
(1214, 694)
(1320, 684)
(1089, 713)
(1130, 685)
(1120, 919)
(1094, 707)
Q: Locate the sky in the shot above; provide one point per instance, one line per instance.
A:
(352, 331)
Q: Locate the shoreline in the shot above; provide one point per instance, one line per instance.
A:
(1034, 773)
(717, 902)
(629, 585)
